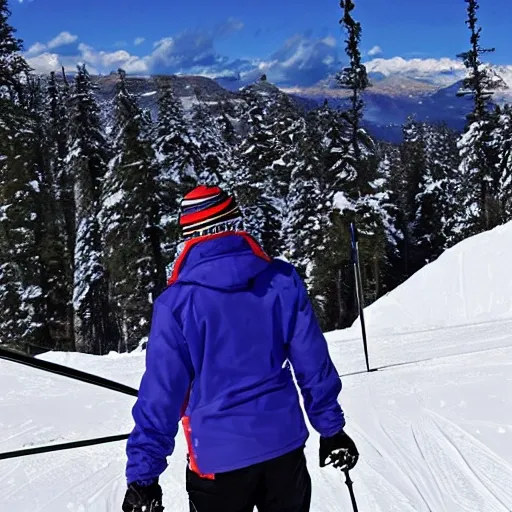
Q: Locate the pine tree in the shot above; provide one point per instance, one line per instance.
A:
(57, 107)
(354, 77)
(20, 265)
(478, 192)
(95, 329)
(267, 157)
(176, 158)
(228, 114)
(54, 269)
(61, 192)
(355, 191)
(393, 191)
(478, 179)
(20, 285)
(413, 157)
(213, 155)
(435, 201)
(503, 137)
(13, 67)
(479, 81)
(303, 223)
(251, 177)
(132, 219)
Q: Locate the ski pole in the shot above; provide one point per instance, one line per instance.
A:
(156, 507)
(354, 236)
(349, 483)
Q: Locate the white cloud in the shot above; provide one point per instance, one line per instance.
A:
(36, 49)
(399, 65)
(329, 41)
(62, 39)
(47, 62)
(190, 51)
(376, 50)
(111, 61)
(301, 60)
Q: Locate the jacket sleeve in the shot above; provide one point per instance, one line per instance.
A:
(314, 370)
(162, 393)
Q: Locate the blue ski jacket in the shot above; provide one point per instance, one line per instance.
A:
(222, 339)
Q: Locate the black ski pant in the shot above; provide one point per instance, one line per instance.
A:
(278, 485)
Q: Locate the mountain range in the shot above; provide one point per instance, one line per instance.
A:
(392, 98)
(427, 93)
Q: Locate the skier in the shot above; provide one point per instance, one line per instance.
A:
(224, 336)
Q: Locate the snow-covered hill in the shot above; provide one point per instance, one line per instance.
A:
(470, 283)
(433, 425)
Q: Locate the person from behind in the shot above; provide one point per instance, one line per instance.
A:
(225, 336)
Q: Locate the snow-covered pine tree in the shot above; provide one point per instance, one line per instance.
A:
(503, 137)
(434, 203)
(477, 192)
(413, 157)
(484, 186)
(21, 295)
(257, 154)
(20, 291)
(392, 188)
(420, 179)
(477, 187)
(175, 154)
(53, 268)
(266, 159)
(62, 210)
(360, 166)
(479, 81)
(353, 193)
(303, 222)
(355, 78)
(132, 211)
(95, 329)
(329, 277)
(57, 98)
(227, 117)
(13, 66)
(213, 154)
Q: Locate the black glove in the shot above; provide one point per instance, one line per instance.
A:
(138, 496)
(338, 450)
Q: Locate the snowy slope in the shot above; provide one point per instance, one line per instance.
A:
(433, 436)
(433, 425)
(469, 283)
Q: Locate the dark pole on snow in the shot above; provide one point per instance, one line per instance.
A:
(349, 483)
(63, 446)
(359, 286)
(65, 371)
(71, 373)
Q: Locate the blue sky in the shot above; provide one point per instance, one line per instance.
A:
(295, 43)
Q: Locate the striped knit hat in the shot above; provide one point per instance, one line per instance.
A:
(208, 210)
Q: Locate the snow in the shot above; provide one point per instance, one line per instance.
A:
(35, 185)
(342, 202)
(469, 283)
(433, 425)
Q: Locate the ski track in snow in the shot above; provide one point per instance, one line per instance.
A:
(434, 435)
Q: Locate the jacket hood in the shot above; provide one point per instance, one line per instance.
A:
(228, 263)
